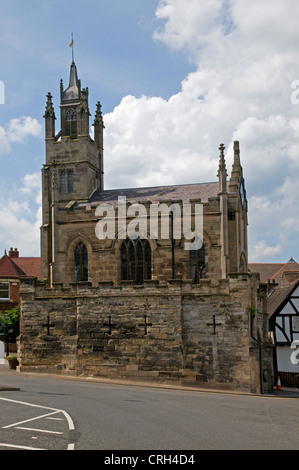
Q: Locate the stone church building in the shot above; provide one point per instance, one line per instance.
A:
(138, 304)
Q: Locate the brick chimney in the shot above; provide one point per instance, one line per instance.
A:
(13, 253)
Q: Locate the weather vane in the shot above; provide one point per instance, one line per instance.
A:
(72, 46)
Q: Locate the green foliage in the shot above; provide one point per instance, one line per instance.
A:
(252, 312)
(10, 324)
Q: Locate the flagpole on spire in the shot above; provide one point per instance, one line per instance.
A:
(72, 46)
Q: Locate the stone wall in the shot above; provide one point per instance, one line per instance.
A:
(177, 331)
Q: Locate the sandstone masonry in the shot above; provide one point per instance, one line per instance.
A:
(144, 308)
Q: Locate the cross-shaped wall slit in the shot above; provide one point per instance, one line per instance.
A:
(48, 325)
(110, 325)
(145, 325)
(214, 324)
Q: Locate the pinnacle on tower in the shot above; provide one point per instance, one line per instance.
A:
(49, 118)
(49, 107)
(237, 172)
(222, 173)
(98, 116)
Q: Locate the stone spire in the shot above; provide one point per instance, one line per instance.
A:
(222, 173)
(72, 93)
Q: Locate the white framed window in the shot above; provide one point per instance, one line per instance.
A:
(4, 290)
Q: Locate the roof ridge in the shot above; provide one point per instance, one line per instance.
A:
(16, 268)
(156, 187)
(275, 274)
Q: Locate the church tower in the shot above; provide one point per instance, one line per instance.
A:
(74, 163)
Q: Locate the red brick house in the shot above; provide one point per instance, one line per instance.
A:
(12, 267)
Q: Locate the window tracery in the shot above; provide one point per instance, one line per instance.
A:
(135, 260)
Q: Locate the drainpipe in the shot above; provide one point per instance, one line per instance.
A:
(172, 245)
(260, 352)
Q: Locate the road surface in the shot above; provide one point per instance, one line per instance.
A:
(64, 414)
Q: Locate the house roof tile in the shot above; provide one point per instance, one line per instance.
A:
(14, 267)
(9, 269)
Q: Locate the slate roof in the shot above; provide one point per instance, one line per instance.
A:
(154, 194)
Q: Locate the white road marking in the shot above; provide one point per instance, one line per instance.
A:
(56, 419)
(54, 411)
(38, 430)
(27, 420)
(14, 446)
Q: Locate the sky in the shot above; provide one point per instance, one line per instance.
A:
(176, 78)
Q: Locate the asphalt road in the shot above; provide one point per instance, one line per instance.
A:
(62, 414)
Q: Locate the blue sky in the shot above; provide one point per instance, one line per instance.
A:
(175, 78)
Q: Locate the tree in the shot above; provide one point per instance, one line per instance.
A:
(10, 324)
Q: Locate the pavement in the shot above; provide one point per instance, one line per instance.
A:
(287, 393)
(283, 393)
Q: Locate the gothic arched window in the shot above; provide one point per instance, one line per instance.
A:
(71, 122)
(197, 264)
(62, 182)
(81, 263)
(136, 262)
(66, 181)
(70, 181)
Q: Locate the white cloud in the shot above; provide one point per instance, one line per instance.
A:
(188, 24)
(31, 182)
(20, 232)
(20, 214)
(246, 57)
(262, 252)
(20, 128)
(4, 142)
(17, 130)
